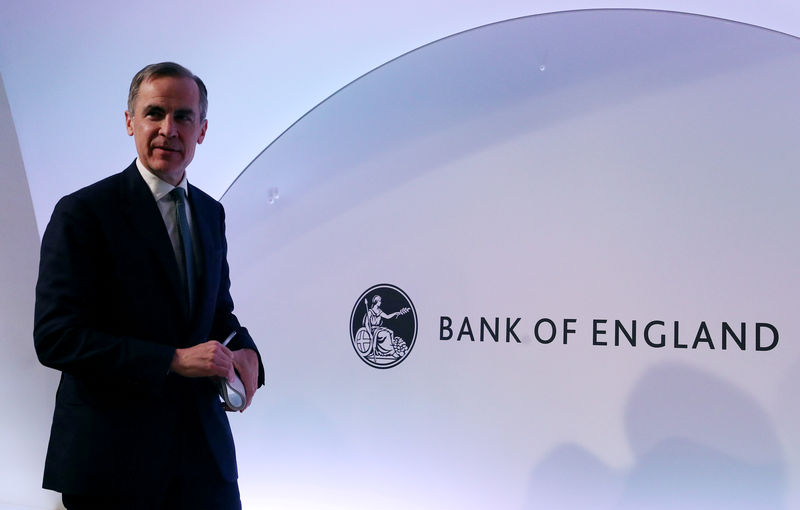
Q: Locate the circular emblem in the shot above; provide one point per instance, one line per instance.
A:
(383, 326)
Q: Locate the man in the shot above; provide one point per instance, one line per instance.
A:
(131, 304)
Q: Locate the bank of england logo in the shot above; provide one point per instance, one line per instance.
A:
(383, 326)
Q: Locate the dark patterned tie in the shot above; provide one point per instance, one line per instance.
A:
(179, 195)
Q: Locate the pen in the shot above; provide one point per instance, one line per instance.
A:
(225, 343)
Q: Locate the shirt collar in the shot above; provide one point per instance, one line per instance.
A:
(158, 187)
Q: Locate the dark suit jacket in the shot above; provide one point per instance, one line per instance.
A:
(109, 315)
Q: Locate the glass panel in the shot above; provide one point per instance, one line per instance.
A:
(609, 178)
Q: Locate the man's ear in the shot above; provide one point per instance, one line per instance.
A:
(129, 122)
(202, 130)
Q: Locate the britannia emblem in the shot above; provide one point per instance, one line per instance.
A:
(383, 326)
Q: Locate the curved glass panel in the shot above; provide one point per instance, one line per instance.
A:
(593, 216)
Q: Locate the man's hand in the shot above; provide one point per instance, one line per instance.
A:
(246, 363)
(208, 359)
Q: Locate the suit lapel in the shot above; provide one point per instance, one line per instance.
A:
(205, 218)
(143, 215)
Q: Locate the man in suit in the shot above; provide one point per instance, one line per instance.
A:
(131, 304)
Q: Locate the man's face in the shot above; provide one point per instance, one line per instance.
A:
(166, 125)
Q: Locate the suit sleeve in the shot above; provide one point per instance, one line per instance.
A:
(224, 320)
(71, 331)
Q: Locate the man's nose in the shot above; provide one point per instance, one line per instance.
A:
(168, 126)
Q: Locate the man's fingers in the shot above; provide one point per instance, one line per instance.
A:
(203, 360)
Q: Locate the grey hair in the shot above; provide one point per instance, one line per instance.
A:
(166, 69)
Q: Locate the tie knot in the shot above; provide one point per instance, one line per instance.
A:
(178, 194)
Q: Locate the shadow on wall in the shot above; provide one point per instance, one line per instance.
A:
(699, 443)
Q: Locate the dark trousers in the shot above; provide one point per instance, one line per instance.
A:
(179, 495)
(193, 483)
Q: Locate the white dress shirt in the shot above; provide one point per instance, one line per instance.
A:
(166, 205)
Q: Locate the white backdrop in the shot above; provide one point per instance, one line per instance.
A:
(67, 67)
(687, 246)
(616, 165)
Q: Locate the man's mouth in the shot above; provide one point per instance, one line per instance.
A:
(168, 149)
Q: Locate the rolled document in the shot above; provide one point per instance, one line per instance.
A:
(232, 392)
